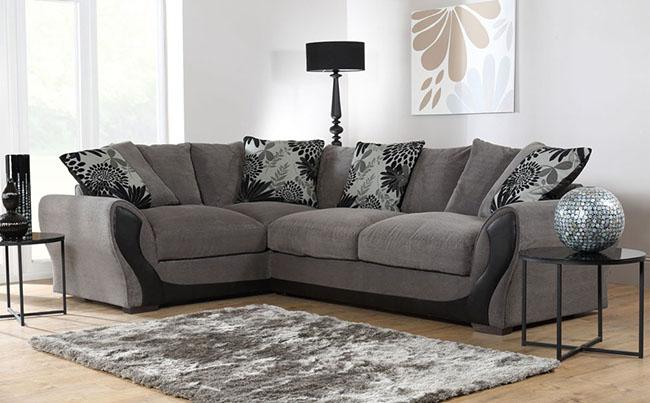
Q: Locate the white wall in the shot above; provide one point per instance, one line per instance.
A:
(245, 68)
(380, 97)
(583, 80)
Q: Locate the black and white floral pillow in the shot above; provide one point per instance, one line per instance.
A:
(284, 171)
(104, 172)
(379, 174)
(545, 170)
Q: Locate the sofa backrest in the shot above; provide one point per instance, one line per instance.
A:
(434, 179)
(218, 171)
(210, 174)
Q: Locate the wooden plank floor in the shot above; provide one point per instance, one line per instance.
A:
(30, 376)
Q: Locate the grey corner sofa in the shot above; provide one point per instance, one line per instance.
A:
(427, 260)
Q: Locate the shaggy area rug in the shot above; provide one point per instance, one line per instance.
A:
(262, 353)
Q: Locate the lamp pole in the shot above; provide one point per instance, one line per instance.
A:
(336, 130)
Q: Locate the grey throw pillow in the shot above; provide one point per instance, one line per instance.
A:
(543, 171)
(486, 163)
(105, 172)
(284, 171)
(379, 174)
(173, 165)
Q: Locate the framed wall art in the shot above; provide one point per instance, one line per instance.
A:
(463, 58)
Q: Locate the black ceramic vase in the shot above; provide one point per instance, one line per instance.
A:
(17, 169)
(13, 226)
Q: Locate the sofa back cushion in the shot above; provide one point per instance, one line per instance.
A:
(161, 194)
(218, 171)
(486, 163)
(434, 179)
(335, 163)
(173, 164)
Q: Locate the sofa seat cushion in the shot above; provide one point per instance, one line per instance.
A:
(437, 241)
(267, 211)
(327, 233)
(193, 231)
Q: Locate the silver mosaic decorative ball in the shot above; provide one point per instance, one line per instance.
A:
(589, 219)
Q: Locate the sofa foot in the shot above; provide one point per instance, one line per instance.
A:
(141, 309)
(491, 329)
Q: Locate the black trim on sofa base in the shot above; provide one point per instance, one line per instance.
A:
(450, 311)
(492, 330)
(141, 309)
(176, 294)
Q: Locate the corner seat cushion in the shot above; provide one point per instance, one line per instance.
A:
(194, 231)
(328, 233)
(267, 211)
(437, 241)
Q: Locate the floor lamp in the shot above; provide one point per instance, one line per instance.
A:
(335, 57)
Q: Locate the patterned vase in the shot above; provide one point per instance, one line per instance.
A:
(12, 225)
(589, 219)
(17, 169)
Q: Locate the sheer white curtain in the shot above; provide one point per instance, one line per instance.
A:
(78, 74)
(12, 84)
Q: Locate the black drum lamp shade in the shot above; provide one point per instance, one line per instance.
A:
(335, 57)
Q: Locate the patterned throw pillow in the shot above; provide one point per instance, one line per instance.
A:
(545, 170)
(104, 172)
(284, 171)
(379, 175)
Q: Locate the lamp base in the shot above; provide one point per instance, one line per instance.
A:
(336, 130)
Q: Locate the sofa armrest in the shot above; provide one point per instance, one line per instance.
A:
(496, 255)
(496, 275)
(530, 225)
(96, 268)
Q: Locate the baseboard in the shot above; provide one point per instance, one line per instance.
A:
(628, 275)
(39, 274)
(30, 273)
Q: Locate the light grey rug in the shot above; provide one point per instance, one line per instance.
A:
(262, 353)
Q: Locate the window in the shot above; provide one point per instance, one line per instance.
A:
(52, 101)
(80, 74)
(127, 47)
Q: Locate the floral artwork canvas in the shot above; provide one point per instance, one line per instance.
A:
(463, 59)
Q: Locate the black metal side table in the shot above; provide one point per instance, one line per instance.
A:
(35, 239)
(565, 256)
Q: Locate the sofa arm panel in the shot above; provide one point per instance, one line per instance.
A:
(95, 267)
(493, 253)
(509, 230)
